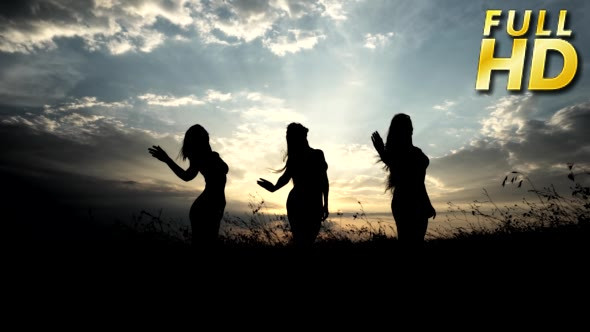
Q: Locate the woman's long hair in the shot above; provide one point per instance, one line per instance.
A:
(296, 144)
(196, 141)
(397, 146)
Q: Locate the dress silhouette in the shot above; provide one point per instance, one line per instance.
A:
(207, 210)
(307, 205)
(407, 165)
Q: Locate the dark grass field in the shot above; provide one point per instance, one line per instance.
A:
(534, 248)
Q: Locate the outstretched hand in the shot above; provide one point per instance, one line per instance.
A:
(157, 152)
(378, 142)
(266, 185)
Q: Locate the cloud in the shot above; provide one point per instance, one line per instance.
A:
(333, 9)
(35, 81)
(119, 26)
(373, 41)
(170, 101)
(132, 26)
(73, 126)
(86, 102)
(511, 138)
(266, 99)
(445, 106)
(508, 118)
(295, 41)
(242, 20)
(227, 22)
(564, 137)
(469, 166)
(210, 96)
(277, 23)
(214, 95)
(90, 161)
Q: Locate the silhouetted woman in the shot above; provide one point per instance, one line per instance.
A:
(207, 210)
(307, 205)
(407, 169)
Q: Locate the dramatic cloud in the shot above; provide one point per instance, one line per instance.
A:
(220, 21)
(134, 26)
(563, 137)
(119, 26)
(508, 118)
(90, 162)
(512, 139)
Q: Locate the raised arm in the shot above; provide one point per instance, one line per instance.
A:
(283, 180)
(380, 147)
(186, 175)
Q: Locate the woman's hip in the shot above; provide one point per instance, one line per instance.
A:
(207, 206)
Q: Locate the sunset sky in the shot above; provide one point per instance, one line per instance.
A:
(87, 86)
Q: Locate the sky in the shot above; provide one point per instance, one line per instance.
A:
(87, 86)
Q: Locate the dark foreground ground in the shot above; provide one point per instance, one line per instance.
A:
(562, 250)
(48, 248)
(491, 277)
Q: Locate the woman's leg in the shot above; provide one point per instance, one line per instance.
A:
(205, 222)
(421, 227)
(294, 216)
(403, 230)
(304, 228)
(210, 228)
(411, 229)
(295, 223)
(304, 210)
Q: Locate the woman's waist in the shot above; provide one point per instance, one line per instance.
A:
(213, 192)
(306, 194)
(413, 186)
(409, 193)
(306, 190)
